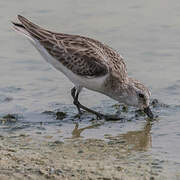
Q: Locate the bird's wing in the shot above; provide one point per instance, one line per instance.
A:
(78, 54)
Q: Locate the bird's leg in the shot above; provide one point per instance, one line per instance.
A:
(75, 94)
(99, 115)
(80, 106)
(75, 98)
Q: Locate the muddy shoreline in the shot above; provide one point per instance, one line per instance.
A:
(25, 156)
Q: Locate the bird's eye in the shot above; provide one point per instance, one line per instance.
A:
(141, 95)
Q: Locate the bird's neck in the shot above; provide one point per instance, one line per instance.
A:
(116, 88)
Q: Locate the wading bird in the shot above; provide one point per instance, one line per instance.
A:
(89, 64)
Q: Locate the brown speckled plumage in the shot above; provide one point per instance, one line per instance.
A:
(82, 55)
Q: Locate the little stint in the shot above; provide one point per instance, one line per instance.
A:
(89, 64)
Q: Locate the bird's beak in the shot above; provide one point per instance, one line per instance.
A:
(149, 113)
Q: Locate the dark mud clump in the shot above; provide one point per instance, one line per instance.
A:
(155, 103)
(9, 118)
(60, 115)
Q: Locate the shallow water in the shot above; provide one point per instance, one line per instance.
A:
(145, 33)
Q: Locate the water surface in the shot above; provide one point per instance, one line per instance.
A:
(146, 33)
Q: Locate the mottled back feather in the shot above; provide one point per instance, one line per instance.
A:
(82, 55)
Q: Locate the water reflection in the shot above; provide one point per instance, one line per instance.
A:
(76, 133)
(139, 140)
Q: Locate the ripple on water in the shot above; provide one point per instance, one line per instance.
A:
(10, 89)
(5, 99)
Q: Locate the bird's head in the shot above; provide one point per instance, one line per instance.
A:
(139, 96)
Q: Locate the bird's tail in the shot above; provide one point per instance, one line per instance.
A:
(25, 27)
(31, 30)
